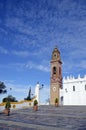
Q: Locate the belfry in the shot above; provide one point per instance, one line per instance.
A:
(56, 76)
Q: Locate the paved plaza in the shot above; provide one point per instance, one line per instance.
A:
(46, 118)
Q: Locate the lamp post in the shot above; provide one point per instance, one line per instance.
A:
(9, 94)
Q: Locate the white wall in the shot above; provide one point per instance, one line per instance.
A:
(18, 105)
(77, 97)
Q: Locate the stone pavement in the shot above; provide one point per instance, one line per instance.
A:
(46, 118)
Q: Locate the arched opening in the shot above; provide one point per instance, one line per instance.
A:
(54, 70)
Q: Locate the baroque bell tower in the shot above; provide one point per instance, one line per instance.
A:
(56, 76)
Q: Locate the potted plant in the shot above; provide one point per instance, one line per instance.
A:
(7, 108)
(35, 107)
(56, 102)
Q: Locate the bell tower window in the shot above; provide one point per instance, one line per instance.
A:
(54, 70)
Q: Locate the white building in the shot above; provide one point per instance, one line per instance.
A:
(37, 92)
(37, 88)
(74, 91)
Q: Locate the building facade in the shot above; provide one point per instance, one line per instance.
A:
(56, 76)
(74, 91)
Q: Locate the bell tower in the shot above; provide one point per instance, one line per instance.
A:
(56, 76)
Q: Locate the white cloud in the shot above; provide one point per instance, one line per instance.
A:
(3, 50)
(81, 64)
(43, 68)
(21, 53)
(31, 65)
(3, 31)
(51, 29)
(23, 66)
(35, 30)
(78, 53)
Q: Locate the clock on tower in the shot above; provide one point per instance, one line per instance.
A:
(56, 76)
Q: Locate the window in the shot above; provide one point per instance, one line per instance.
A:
(66, 90)
(85, 87)
(54, 70)
(73, 88)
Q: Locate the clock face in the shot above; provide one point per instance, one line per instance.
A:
(54, 55)
(54, 89)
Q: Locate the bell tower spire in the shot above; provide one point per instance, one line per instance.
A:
(56, 75)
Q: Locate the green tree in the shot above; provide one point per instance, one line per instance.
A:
(29, 95)
(2, 88)
(10, 98)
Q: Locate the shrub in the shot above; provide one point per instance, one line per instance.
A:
(35, 102)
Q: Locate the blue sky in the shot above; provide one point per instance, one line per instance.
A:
(29, 31)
